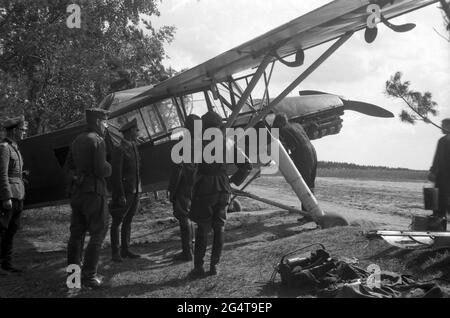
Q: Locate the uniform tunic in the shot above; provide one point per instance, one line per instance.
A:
(441, 169)
(11, 188)
(88, 199)
(126, 187)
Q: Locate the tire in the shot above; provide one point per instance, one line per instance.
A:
(235, 206)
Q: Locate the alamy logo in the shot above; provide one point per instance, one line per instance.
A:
(74, 19)
(374, 280)
(374, 17)
(74, 278)
(216, 146)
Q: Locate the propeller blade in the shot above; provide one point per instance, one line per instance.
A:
(371, 34)
(398, 28)
(314, 93)
(367, 109)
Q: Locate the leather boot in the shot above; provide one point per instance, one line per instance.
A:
(126, 239)
(126, 253)
(115, 248)
(74, 251)
(218, 242)
(115, 255)
(199, 254)
(186, 242)
(92, 281)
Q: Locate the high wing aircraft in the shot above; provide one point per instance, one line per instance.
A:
(219, 84)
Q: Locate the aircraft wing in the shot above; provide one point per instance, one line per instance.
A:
(324, 24)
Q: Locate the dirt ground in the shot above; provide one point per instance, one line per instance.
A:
(256, 239)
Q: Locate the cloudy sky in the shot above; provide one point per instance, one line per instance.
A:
(207, 28)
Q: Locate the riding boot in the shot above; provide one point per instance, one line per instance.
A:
(186, 241)
(115, 245)
(218, 242)
(126, 233)
(199, 253)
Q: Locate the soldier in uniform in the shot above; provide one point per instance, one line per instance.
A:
(212, 194)
(302, 151)
(440, 173)
(12, 190)
(88, 200)
(180, 188)
(126, 188)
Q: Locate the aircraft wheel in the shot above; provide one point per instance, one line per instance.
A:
(235, 206)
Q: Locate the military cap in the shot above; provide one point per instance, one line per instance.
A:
(446, 121)
(16, 122)
(190, 122)
(96, 113)
(129, 125)
(212, 120)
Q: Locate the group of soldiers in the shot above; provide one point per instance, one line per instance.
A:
(200, 193)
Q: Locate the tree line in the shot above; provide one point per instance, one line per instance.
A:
(344, 165)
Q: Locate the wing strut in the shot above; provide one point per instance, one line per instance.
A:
(285, 163)
(300, 79)
(248, 90)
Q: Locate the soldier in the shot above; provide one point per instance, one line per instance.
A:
(303, 153)
(12, 190)
(440, 173)
(126, 188)
(180, 187)
(89, 195)
(212, 194)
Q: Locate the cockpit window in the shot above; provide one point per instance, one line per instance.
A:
(118, 122)
(169, 114)
(155, 121)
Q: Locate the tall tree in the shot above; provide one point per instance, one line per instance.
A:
(51, 72)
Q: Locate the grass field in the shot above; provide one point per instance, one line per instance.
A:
(255, 241)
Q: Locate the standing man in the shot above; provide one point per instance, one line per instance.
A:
(302, 151)
(126, 189)
(212, 194)
(181, 189)
(440, 173)
(12, 190)
(88, 200)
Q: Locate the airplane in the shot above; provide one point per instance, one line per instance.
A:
(217, 85)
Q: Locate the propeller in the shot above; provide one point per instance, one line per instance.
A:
(371, 34)
(311, 92)
(361, 107)
(367, 109)
(398, 28)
